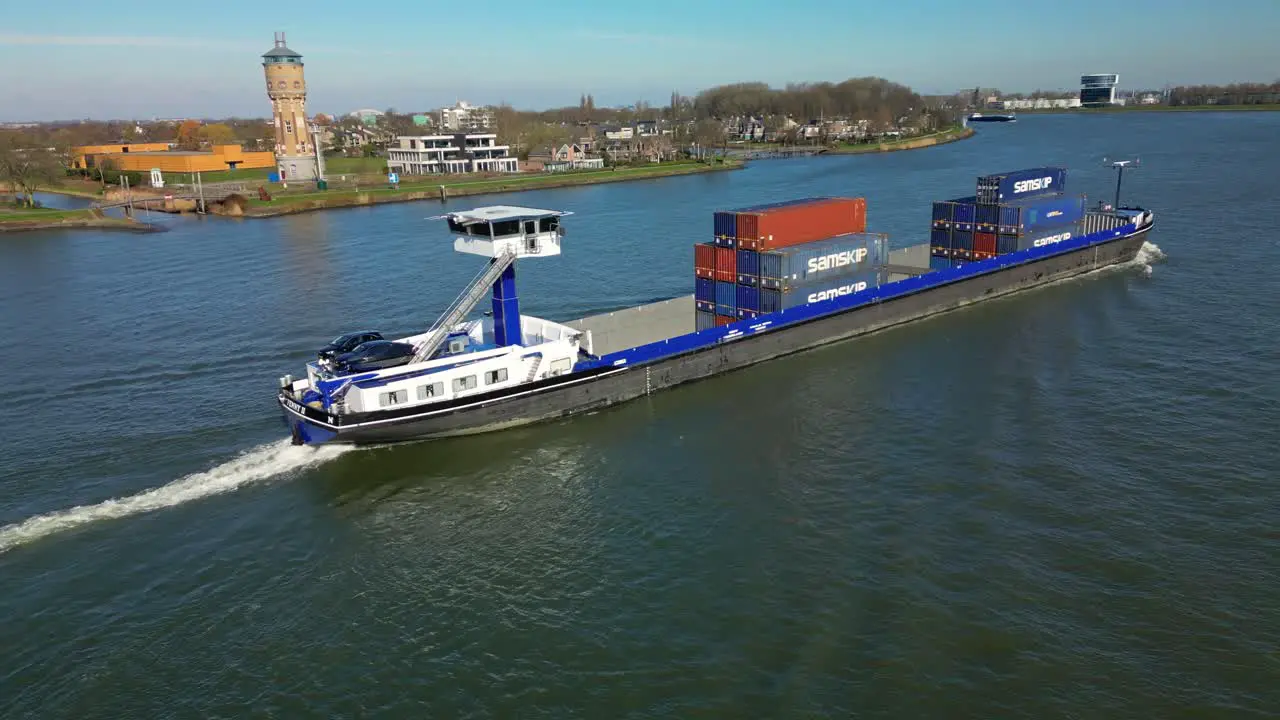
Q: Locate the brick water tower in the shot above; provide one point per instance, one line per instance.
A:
(287, 88)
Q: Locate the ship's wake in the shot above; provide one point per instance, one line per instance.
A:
(260, 463)
(1149, 254)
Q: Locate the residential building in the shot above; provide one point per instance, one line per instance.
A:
(464, 117)
(615, 132)
(565, 157)
(457, 153)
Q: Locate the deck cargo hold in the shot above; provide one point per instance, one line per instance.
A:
(779, 225)
(1021, 184)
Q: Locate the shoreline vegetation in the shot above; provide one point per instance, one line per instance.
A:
(373, 190)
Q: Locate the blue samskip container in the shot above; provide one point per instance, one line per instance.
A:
(837, 256)
(704, 306)
(1046, 236)
(747, 314)
(1041, 214)
(961, 243)
(1006, 244)
(703, 320)
(964, 214)
(941, 214)
(704, 289)
(940, 243)
(818, 289)
(725, 224)
(748, 298)
(1021, 184)
(726, 294)
(726, 242)
(748, 267)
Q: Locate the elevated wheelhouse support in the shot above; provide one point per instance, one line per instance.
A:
(506, 309)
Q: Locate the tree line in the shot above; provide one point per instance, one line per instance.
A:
(1236, 94)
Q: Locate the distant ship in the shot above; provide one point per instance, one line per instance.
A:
(979, 117)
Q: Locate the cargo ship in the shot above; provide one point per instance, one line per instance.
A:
(979, 117)
(772, 280)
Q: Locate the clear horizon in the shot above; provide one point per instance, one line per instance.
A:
(92, 64)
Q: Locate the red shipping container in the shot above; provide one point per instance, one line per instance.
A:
(704, 260)
(726, 264)
(984, 244)
(724, 320)
(800, 223)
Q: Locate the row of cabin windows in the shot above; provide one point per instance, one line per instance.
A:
(425, 392)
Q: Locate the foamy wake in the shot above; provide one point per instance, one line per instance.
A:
(254, 465)
(1149, 254)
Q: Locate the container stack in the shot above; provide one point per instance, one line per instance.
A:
(772, 257)
(1011, 211)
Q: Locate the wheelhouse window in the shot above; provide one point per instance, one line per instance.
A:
(495, 376)
(548, 224)
(504, 228)
(464, 383)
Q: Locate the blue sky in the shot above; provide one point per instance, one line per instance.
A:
(81, 58)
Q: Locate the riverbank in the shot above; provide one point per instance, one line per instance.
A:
(73, 188)
(27, 220)
(292, 203)
(949, 135)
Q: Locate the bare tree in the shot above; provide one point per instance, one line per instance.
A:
(26, 170)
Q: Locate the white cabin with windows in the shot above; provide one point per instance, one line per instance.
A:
(456, 357)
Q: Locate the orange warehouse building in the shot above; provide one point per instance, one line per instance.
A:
(142, 157)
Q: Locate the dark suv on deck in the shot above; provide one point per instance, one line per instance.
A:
(346, 343)
(375, 355)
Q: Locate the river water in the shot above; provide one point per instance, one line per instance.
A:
(1059, 505)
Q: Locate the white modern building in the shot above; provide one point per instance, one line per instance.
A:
(1098, 90)
(457, 153)
(464, 117)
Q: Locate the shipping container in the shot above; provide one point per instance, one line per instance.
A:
(726, 294)
(838, 256)
(704, 289)
(703, 320)
(1048, 236)
(748, 298)
(939, 263)
(959, 212)
(987, 218)
(1021, 184)
(1006, 244)
(704, 306)
(940, 243)
(984, 244)
(961, 243)
(1041, 214)
(942, 214)
(747, 314)
(726, 265)
(781, 225)
(748, 267)
(704, 260)
(817, 289)
(726, 242)
(724, 320)
(726, 224)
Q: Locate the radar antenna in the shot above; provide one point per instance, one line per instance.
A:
(1119, 166)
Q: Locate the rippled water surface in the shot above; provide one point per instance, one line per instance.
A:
(1062, 504)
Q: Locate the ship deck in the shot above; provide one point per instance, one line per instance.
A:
(643, 324)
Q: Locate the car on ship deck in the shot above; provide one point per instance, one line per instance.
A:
(375, 355)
